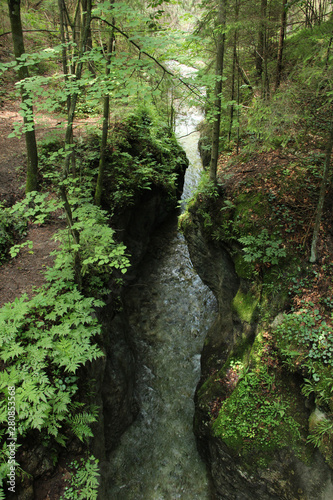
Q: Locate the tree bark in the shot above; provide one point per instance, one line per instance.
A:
(218, 90)
(106, 110)
(281, 44)
(261, 39)
(14, 7)
(321, 200)
(234, 59)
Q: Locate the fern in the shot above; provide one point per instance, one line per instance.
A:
(35, 344)
(80, 425)
(84, 481)
(46, 340)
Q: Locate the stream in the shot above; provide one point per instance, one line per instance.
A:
(170, 311)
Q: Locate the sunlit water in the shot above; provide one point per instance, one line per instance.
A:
(170, 311)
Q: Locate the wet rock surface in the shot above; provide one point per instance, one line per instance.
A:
(169, 311)
(286, 477)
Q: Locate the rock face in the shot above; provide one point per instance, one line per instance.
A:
(286, 477)
(119, 407)
(216, 269)
(115, 376)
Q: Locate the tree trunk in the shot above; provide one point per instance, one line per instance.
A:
(281, 44)
(68, 142)
(265, 87)
(74, 97)
(28, 119)
(62, 16)
(234, 59)
(233, 86)
(321, 200)
(218, 90)
(261, 39)
(106, 110)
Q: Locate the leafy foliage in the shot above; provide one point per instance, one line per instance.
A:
(12, 228)
(84, 480)
(308, 332)
(41, 340)
(100, 253)
(14, 251)
(262, 248)
(36, 207)
(143, 153)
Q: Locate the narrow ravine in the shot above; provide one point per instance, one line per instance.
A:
(170, 311)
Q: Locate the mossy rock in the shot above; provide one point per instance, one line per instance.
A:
(245, 305)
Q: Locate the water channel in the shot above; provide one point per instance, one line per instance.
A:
(170, 313)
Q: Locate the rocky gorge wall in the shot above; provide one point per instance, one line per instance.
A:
(248, 468)
(115, 375)
(109, 382)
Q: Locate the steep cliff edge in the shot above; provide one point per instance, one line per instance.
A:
(143, 181)
(145, 203)
(263, 405)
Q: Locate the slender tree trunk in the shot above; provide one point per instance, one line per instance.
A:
(218, 90)
(243, 74)
(74, 97)
(234, 59)
(62, 16)
(233, 85)
(281, 44)
(68, 142)
(266, 88)
(238, 112)
(322, 192)
(14, 7)
(261, 39)
(106, 110)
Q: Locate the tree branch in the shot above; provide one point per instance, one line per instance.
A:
(195, 92)
(27, 31)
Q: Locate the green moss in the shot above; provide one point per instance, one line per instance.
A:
(184, 221)
(243, 269)
(245, 305)
(260, 417)
(250, 207)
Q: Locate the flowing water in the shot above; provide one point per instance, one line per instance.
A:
(170, 311)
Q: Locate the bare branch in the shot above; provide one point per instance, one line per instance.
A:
(27, 31)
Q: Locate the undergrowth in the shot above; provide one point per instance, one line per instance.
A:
(46, 341)
(261, 211)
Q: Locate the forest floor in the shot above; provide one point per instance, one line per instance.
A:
(25, 272)
(285, 191)
(21, 274)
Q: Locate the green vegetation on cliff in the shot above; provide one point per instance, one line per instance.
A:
(255, 400)
(48, 342)
(270, 209)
